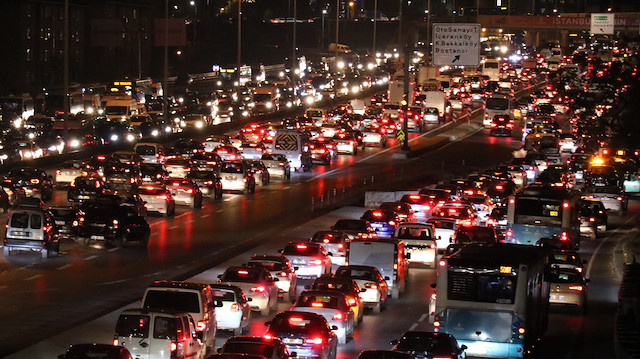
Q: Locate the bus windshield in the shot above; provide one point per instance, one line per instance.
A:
(486, 285)
(494, 103)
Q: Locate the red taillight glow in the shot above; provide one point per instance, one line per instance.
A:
(301, 246)
(371, 285)
(317, 305)
(442, 263)
(201, 325)
(316, 262)
(315, 341)
(235, 307)
(578, 288)
(35, 181)
(116, 342)
(243, 272)
(338, 316)
(173, 347)
(436, 324)
(258, 289)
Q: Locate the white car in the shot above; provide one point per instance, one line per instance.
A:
(158, 199)
(178, 167)
(277, 164)
(333, 306)
(368, 278)
(235, 312)
(70, 170)
(211, 142)
(279, 267)
(257, 284)
(310, 259)
(484, 206)
(252, 151)
(419, 241)
(445, 228)
(237, 176)
(373, 136)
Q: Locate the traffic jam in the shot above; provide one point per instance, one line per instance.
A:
(480, 233)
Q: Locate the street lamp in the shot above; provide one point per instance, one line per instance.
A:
(195, 20)
(375, 25)
(324, 14)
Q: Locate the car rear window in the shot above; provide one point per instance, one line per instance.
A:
(224, 295)
(318, 301)
(240, 275)
(231, 168)
(21, 220)
(164, 327)
(296, 324)
(178, 301)
(346, 272)
(326, 237)
(265, 350)
(270, 266)
(133, 325)
(300, 249)
(145, 150)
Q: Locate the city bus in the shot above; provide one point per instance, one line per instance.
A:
(493, 298)
(542, 211)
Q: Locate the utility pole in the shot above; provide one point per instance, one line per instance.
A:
(293, 56)
(375, 25)
(165, 86)
(65, 75)
(407, 96)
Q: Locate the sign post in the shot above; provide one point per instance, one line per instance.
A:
(456, 44)
(602, 24)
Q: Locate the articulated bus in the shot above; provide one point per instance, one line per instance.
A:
(543, 211)
(493, 299)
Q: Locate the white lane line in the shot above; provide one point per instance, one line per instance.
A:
(220, 210)
(154, 234)
(413, 326)
(595, 253)
(34, 277)
(91, 257)
(190, 221)
(287, 187)
(205, 216)
(173, 227)
(2, 287)
(182, 215)
(227, 199)
(64, 266)
(112, 249)
(422, 317)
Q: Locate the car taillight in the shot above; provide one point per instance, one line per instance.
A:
(316, 262)
(115, 223)
(578, 288)
(268, 336)
(592, 219)
(35, 181)
(371, 285)
(432, 246)
(189, 191)
(579, 269)
(564, 236)
(509, 233)
(392, 223)
(619, 198)
(164, 196)
(235, 307)
(282, 274)
(436, 324)
(338, 316)
(115, 342)
(173, 347)
(351, 301)
(314, 341)
(258, 289)
(201, 325)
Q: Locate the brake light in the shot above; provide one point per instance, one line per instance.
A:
(317, 305)
(564, 236)
(301, 246)
(235, 307)
(201, 325)
(565, 204)
(521, 330)
(619, 198)
(314, 341)
(258, 289)
(35, 181)
(115, 223)
(442, 263)
(392, 223)
(115, 342)
(499, 187)
(268, 336)
(316, 261)
(164, 196)
(436, 324)
(189, 191)
(173, 347)
(351, 301)
(578, 288)
(592, 219)
(282, 274)
(338, 316)
(208, 183)
(371, 285)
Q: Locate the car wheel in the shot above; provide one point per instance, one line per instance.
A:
(253, 188)
(7, 251)
(218, 194)
(288, 175)
(198, 204)
(355, 151)
(167, 212)
(173, 210)
(238, 331)
(145, 241)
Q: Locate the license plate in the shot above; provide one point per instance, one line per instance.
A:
(60, 223)
(229, 178)
(83, 197)
(20, 233)
(97, 237)
(291, 341)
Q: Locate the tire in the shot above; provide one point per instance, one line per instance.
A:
(343, 338)
(265, 312)
(288, 175)
(173, 211)
(198, 204)
(238, 331)
(145, 242)
(167, 212)
(377, 308)
(7, 251)
(253, 188)
(217, 195)
(355, 151)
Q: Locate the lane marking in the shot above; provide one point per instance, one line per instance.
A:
(413, 326)
(112, 249)
(34, 277)
(205, 216)
(220, 210)
(154, 234)
(595, 253)
(228, 199)
(91, 257)
(423, 317)
(64, 266)
(182, 215)
(190, 221)
(174, 227)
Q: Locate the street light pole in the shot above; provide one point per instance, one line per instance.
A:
(324, 13)
(375, 26)
(65, 75)
(295, 20)
(165, 88)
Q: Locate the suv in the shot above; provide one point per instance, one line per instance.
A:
(35, 182)
(155, 334)
(32, 229)
(193, 298)
(112, 223)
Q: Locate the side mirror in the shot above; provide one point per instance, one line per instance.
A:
(362, 290)
(295, 268)
(293, 355)
(450, 240)
(249, 299)
(276, 279)
(463, 347)
(386, 277)
(267, 323)
(334, 327)
(219, 276)
(433, 285)
(218, 303)
(407, 256)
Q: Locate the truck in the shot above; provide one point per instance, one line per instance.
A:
(295, 145)
(434, 100)
(265, 99)
(426, 73)
(395, 91)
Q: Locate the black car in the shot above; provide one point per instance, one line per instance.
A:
(422, 344)
(269, 348)
(36, 182)
(86, 188)
(208, 181)
(260, 171)
(114, 224)
(153, 172)
(64, 217)
(501, 125)
(102, 351)
(307, 334)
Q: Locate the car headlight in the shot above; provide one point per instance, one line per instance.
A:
(167, 129)
(114, 137)
(74, 143)
(130, 137)
(154, 133)
(269, 105)
(199, 124)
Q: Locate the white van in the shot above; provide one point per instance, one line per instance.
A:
(388, 255)
(157, 334)
(420, 242)
(497, 104)
(151, 152)
(193, 298)
(31, 229)
(294, 145)
(121, 108)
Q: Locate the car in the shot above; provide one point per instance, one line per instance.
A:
(63, 218)
(185, 192)
(566, 259)
(420, 242)
(213, 141)
(178, 167)
(357, 228)
(277, 164)
(483, 206)
(371, 281)
(257, 284)
(158, 199)
(237, 176)
(110, 223)
(205, 161)
(588, 226)
(383, 354)
(235, 312)
(558, 243)
(472, 234)
(69, 170)
(94, 350)
(319, 152)
(612, 197)
(463, 213)
(123, 177)
(423, 344)
(127, 157)
(208, 181)
(383, 221)
(499, 190)
(279, 267)
(252, 151)
(86, 188)
(599, 213)
(501, 125)
(307, 334)
(228, 152)
(254, 348)
(445, 228)
(374, 135)
(260, 172)
(334, 242)
(156, 333)
(35, 181)
(568, 287)
(333, 306)
(31, 229)
(186, 147)
(310, 259)
(421, 204)
(404, 210)
(349, 288)
(346, 143)
(101, 161)
(153, 172)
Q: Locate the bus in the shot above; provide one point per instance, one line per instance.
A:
(491, 68)
(493, 298)
(542, 211)
(14, 108)
(497, 104)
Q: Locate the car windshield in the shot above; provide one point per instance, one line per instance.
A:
(348, 272)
